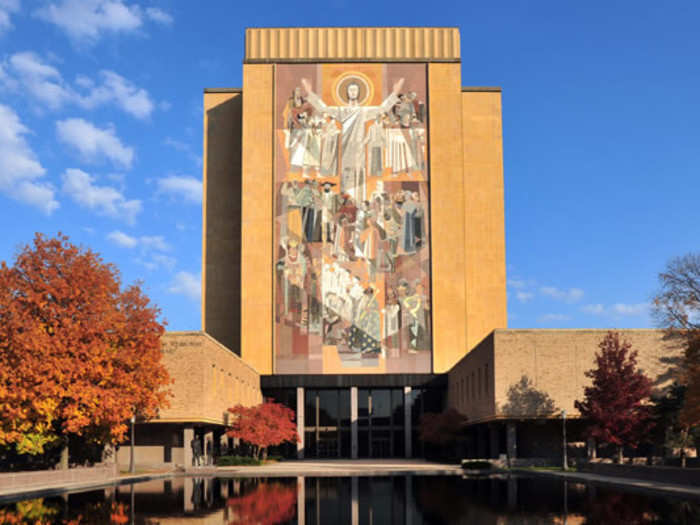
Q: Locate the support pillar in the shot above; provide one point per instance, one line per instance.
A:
(408, 504)
(208, 447)
(353, 422)
(301, 501)
(187, 456)
(407, 406)
(511, 442)
(493, 440)
(300, 422)
(512, 492)
(591, 448)
(481, 442)
(188, 494)
(355, 499)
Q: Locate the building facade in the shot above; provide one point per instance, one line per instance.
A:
(353, 258)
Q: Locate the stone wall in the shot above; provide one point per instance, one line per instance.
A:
(539, 373)
(208, 378)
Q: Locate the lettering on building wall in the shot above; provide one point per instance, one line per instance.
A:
(352, 241)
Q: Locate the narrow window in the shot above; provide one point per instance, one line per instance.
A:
(479, 379)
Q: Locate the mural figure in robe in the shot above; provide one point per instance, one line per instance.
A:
(353, 118)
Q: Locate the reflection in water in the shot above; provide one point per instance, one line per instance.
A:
(406, 500)
(268, 504)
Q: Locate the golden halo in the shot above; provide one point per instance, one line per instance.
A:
(340, 88)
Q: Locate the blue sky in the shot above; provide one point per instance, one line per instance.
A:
(101, 136)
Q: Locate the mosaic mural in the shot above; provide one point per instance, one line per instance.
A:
(352, 241)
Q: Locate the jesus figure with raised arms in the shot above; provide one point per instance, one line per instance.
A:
(352, 118)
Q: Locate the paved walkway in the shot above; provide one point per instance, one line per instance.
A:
(333, 467)
(639, 484)
(41, 491)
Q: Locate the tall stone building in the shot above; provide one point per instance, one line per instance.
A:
(354, 257)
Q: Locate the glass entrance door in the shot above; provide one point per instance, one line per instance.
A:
(327, 423)
(381, 423)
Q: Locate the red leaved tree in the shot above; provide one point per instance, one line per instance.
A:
(270, 503)
(615, 403)
(78, 354)
(442, 429)
(265, 425)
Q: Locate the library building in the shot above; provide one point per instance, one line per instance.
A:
(353, 261)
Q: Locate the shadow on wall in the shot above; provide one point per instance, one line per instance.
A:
(525, 400)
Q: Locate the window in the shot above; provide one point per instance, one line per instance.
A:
(479, 379)
(486, 378)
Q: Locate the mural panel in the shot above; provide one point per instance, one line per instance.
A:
(352, 228)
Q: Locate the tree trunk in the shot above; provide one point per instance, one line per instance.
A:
(264, 453)
(63, 463)
(682, 457)
(619, 454)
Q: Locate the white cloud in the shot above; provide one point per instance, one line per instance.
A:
(94, 143)
(46, 84)
(189, 188)
(19, 167)
(547, 318)
(156, 242)
(88, 20)
(184, 147)
(638, 309)
(158, 15)
(571, 295)
(524, 297)
(617, 309)
(156, 261)
(41, 80)
(7, 7)
(187, 284)
(117, 89)
(104, 200)
(150, 247)
(594, 309)
(122, 239)
(517, 283)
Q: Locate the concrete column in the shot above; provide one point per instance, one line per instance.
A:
(493, 440)
(512, 492)
(511, 441)
(408, 505)
(591, 448)
(301, 501)
(188, 494)
(353, 422)
(354, 498)
(206, 450)
(187, 437)
(407, 406)
(300, 422)
(481, 442)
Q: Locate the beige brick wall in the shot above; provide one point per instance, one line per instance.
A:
(207, 379)
(221, 220)
(553, 363)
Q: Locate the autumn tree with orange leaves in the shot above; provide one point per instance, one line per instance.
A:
(79, 354)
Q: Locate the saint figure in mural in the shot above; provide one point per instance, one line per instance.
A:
(353, 118)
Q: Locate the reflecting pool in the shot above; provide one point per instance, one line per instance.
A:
(411, 500)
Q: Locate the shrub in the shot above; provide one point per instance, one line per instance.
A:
(230, 461)
(476, 465)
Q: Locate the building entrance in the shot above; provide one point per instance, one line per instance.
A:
(327, 423)
(380, 423)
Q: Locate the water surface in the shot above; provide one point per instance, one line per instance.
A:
(409, 500)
